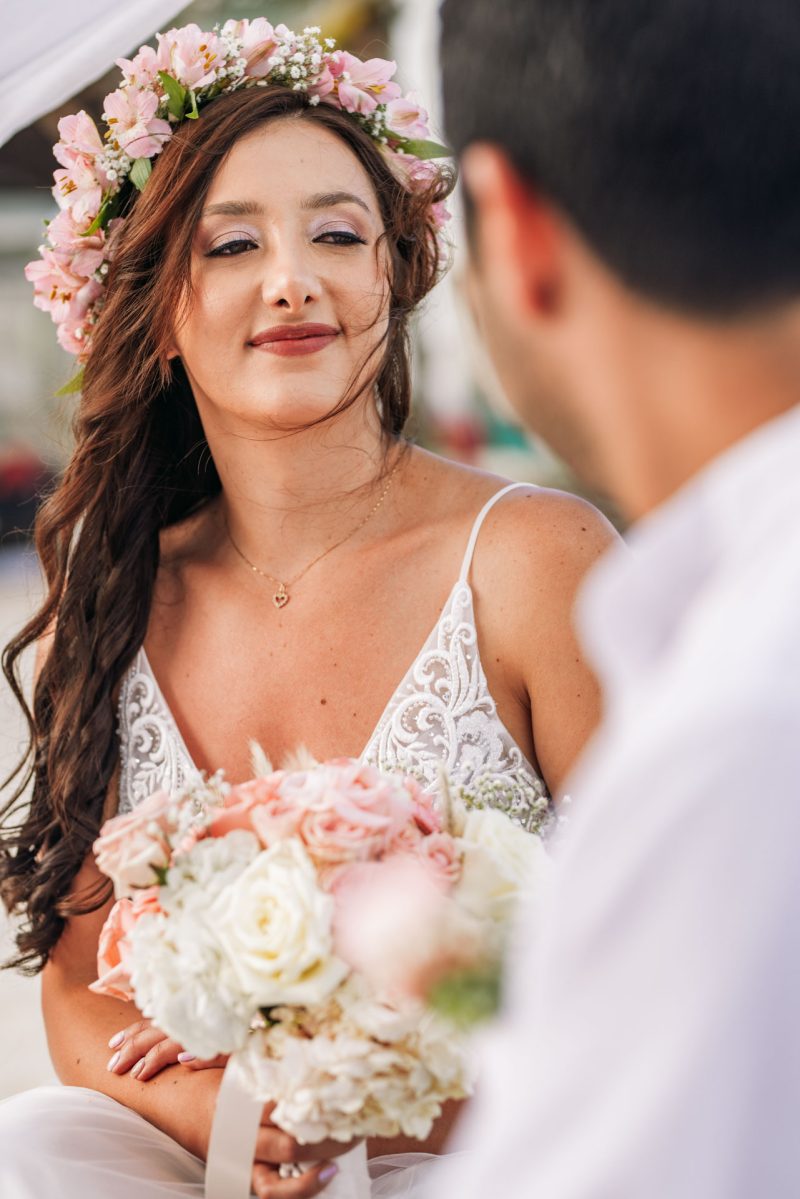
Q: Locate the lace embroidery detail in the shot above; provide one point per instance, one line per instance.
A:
(443, 716)
(152, 753)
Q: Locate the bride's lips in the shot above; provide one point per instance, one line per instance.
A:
(292, 340)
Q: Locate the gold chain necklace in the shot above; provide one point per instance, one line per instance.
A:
(281, 597)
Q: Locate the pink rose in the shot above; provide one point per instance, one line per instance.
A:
(396, 925)
(426, 812)
(259, 807)
(132, 847)
(439, 853)
(351, 811)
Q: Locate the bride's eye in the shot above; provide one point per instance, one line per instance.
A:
(339, 237)
(232, 247)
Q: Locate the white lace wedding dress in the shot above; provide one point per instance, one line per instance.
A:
(80, 1144)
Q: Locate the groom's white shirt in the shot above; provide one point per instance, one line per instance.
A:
(651, 1042)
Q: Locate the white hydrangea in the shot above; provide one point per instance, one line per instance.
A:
(182, 979)
(356, 1067)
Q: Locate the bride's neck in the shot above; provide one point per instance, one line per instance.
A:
(285, 497)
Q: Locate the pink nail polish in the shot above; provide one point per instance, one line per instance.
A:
(112, 1062)
(328, 1173)
(116, 1040)
(187, 1057)
(135, 1072)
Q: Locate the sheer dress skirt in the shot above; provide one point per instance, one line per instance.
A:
(74, 1143)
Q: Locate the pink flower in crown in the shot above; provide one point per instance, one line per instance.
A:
(58, 289)
(259, 43)
(190, 55)
(440, 213)
(72, 336)
(131, 115)
(79, 138)
(142, 70)
(362, 86)
(407, 118)
(135, 127)
(86, 254)
(79, 188)
(323, 87)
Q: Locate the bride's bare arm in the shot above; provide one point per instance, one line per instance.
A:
(79, 1025)
(180, 1102)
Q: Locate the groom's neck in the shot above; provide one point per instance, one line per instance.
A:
(687, 391)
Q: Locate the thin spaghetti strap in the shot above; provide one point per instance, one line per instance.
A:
(476, 528)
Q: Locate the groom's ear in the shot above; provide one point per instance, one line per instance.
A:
(516, 237)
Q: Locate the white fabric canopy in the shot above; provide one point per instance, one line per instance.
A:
(53, 48)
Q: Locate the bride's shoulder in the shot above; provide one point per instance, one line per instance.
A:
(529, 527)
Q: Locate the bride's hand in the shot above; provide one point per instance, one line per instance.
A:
(144, 1051)
(276, 1149)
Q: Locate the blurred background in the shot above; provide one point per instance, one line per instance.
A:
(454, 414)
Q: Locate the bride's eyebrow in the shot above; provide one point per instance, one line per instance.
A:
(331, 199)
(311, 203)
(233, 208)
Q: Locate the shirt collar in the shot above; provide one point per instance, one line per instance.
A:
(633, 601)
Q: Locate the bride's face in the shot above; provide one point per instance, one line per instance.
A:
(290, 287)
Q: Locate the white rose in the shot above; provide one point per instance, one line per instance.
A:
(275, 923)
(502, 863)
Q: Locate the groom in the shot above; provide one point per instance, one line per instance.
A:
(632, 171)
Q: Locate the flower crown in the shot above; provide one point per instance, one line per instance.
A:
(163, 87)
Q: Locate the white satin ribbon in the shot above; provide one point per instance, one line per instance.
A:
(232, 1147)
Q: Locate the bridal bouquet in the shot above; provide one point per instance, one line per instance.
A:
(233, 931)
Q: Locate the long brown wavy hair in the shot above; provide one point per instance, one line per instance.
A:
(141, 463)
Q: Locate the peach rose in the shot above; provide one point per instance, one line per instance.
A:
(113, 953)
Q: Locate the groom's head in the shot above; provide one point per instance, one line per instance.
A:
(630, 166)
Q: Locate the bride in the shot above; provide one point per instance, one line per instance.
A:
(245, 547)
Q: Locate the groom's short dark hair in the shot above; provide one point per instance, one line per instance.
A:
(667, 131)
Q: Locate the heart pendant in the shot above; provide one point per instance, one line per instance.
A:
(280, 599)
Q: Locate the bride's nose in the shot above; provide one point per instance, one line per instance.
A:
(289, 281)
